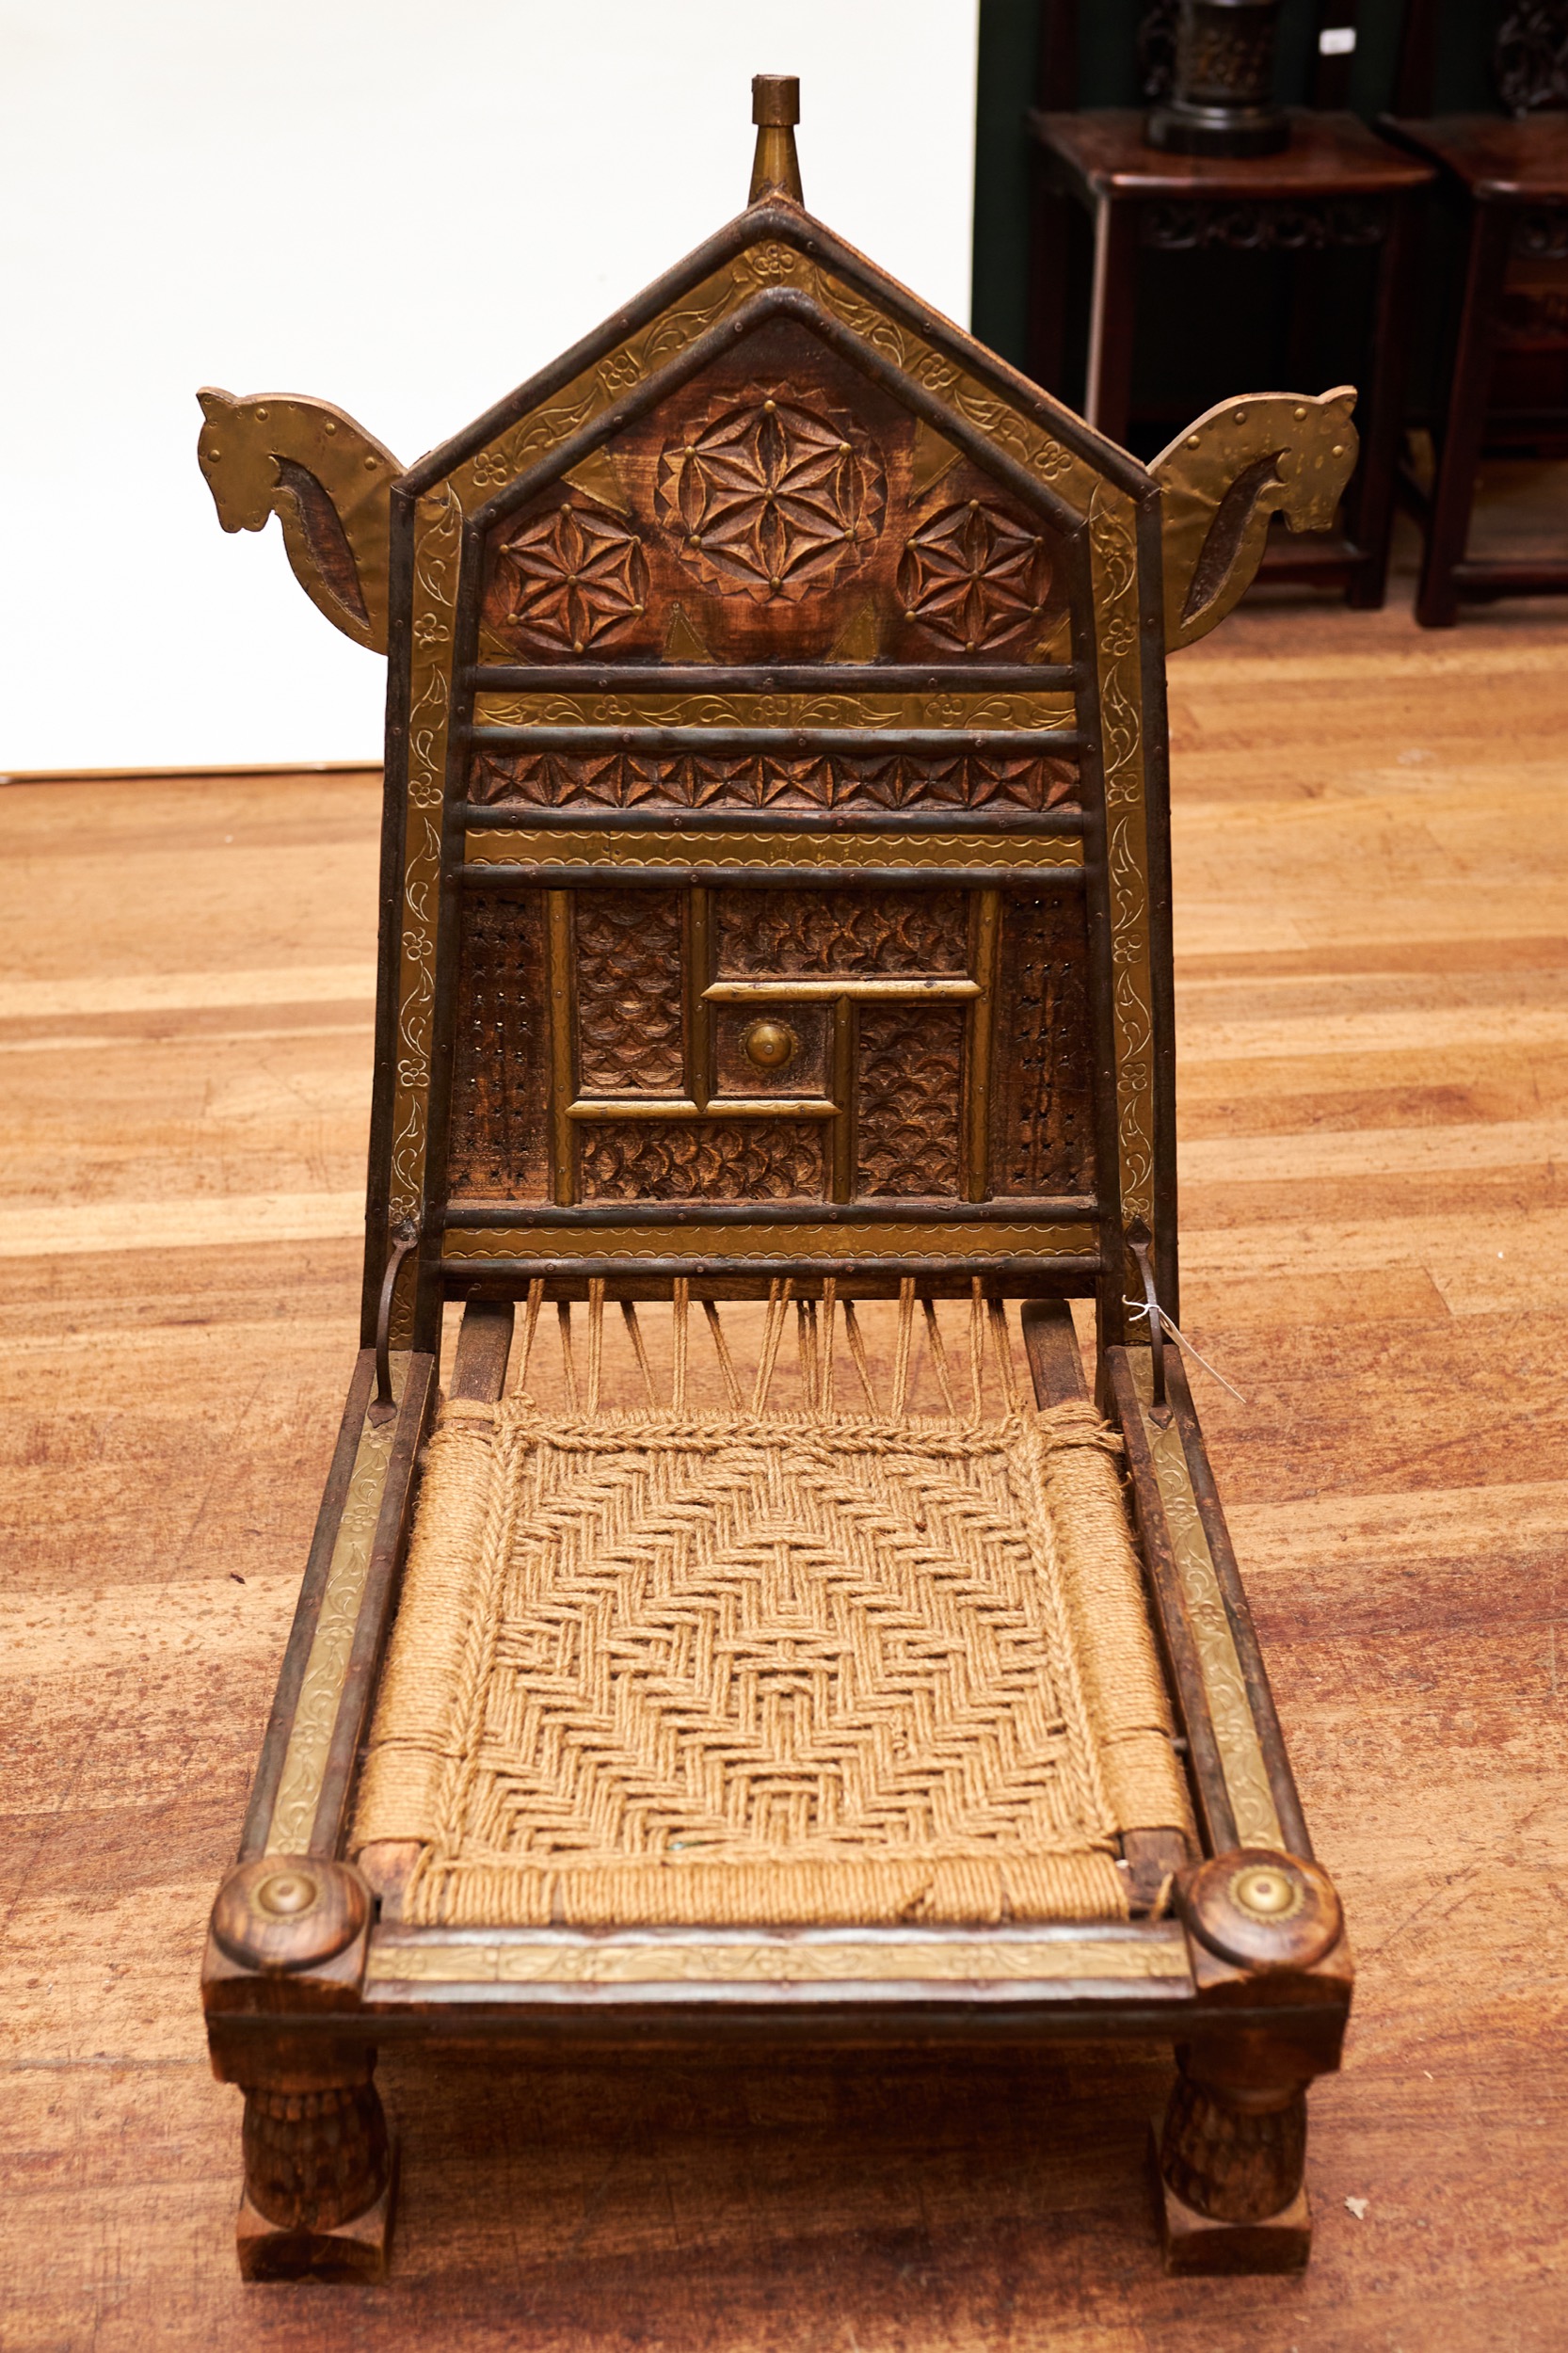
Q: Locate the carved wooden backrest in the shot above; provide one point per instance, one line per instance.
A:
(774, 872)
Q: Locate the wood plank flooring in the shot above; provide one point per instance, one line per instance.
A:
(1371, 839)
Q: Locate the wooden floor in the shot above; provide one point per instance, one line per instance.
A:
(1372, 936)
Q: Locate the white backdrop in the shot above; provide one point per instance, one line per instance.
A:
(403, 206)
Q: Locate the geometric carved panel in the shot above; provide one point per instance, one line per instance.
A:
(629, 991)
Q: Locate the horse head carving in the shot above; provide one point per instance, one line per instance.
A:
(1233, 469)
(330, 485)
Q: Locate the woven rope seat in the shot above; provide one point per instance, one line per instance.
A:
(745, 1665)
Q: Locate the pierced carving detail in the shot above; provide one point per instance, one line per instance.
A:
(796, 934)
(499, 1085)
(569, 578)
(737, 1159)
(911, 1065)
(1529, 56)
(805, 780)
(628, 996)
(1297, 227)
(974, 576)
(772, 498)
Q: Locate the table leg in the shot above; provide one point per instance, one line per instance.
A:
(1382, 417)
(1465, 426)
(1108, 397)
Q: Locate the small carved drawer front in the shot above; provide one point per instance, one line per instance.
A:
(640, 1044)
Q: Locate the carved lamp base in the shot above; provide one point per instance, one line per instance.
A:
(1198, 2246)
(348, 2250)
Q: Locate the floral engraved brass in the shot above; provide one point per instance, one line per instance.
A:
(975, 577)
(316, 1715)
(567, 578)
(772, 498)
(1156, 1953)
(1247, 1786)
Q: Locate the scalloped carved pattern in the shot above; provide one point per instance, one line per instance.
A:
(772, 498)
(736, 1159)
(628, 992)
(804, 934)
(974, 576)
(911, 1065)
(569, 578)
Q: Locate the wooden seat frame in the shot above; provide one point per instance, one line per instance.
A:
(519, 671)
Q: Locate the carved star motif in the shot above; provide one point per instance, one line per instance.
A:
(570, 577)
(772, 498)
(974, 575)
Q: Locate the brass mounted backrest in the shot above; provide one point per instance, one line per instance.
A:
(776, 856)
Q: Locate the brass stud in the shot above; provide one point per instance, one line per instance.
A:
(261, 414)
(212, 456)
(1300, 415)
(1267, 1892)
(332, 426)
(844, 449)
(908, 612)
(287, 1893)
(1338, 449)
(770, 406)
(770, 1044)
(370, 465)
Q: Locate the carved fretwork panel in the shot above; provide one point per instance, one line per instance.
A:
(781, 507)
(708, 1159)
(1042, 1093)
(911, 1063)
(820, 934)
(628, 965)
(839, 1042)
(500, 1089)
(804, 781)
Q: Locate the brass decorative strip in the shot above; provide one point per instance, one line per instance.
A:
(509, 846)
(1157, 1955)
(1042, 713)
(1252, 1800)
(315, 1714)
(865, 1244)
(719, 1107)
(824, 992)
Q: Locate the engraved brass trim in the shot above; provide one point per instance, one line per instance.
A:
(720, 1107)
(1252, 1800)
(315, 1714)
(865, 1244)
(500, 846)
(824, 992)
(1158, 1954)
(1000, 707)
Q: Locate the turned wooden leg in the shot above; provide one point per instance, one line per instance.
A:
(319, 2180)
(1230, 2159)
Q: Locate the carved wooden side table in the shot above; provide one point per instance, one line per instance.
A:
(1336, 185)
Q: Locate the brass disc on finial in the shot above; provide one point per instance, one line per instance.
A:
(1266, 1891)
(770, 1044)
(286, 1893)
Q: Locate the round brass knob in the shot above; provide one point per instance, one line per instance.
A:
(770, 1044)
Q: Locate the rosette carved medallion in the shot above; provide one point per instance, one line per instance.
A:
(771, 498)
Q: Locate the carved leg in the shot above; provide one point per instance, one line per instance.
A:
(1230, 2160)
(320, 2181)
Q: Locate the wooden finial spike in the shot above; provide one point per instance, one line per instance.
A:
(776, 110)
